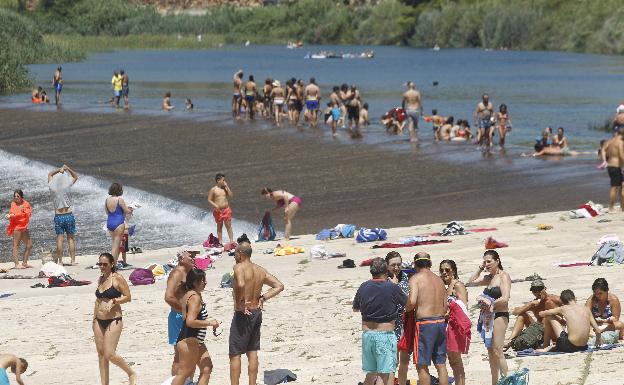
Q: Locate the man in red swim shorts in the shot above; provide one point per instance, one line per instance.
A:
(218, 198)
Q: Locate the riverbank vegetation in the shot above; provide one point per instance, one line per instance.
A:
(72, 27)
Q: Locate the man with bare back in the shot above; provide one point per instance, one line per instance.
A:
(312, 97)
(428, 299)
(218, 198)
(237, 98)
(612, 159)
(17, 365)
(249, 279)
(412, 104)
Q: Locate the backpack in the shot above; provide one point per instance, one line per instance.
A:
(266, 232)
(142, 277)
(521, 377)
(371, 235)
(529, 338)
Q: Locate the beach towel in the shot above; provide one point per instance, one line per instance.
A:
(608, 238)
(142, 277)
(203, 263)
(411, 244)
(278, 376)
(458, 331)
(65, 280)
(5, 295)
(532, 352)
(371, 235)
(345, 230)
(587, 210)
(323, 235)
(287, 250)
(266, 232)
(229, 246)
(521, 377)
(212, 241)
(571, 264)
(491, 243)
(485, 325)
(318, 252)
(609, 252)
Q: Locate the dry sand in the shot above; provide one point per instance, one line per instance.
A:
(310, 328)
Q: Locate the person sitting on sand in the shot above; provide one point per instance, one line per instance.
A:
(578, 319)
(17, 365)
(166, 103)
(605, 307)
(19, 219)
(290, 202)
(528, 314)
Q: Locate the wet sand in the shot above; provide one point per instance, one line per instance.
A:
(342, 181)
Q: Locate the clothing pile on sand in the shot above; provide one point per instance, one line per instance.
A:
(339, 231)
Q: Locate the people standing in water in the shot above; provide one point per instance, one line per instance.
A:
(173, 296)
(190, 341)
(278, 97)
(57, 84)
(17, 365)
(397, 276)
(237, 98)
(250, 97)
(125, 88)
(503, 122)
(458, 329)
(116, 85)
(117, 211)
(412, 104)
(249, 302)
(19, 219)
(219, 198)
(112, 291)
(483, 120)
(290, 202)
(494, 303)
(612, 156)
(60, 182)
(312, 97)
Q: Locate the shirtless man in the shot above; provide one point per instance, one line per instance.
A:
(237, 98)
(17, 365)
(249, 279)
(250, 97)
(57, 83)
(412, 104)
(353, 104)
(60, 184)
(278, 95)
(543, 301)
(613, 159)
(578, 320)
(268, 97)
(218, 198)
(483, 120)
(312, 97)
(378, 300)
(125, 88)
(173, 295)
(428, 299)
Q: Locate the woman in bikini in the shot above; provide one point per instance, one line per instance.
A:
(503, 122)
(112, 291)
(290, 202)
(605, 307)
(498, 288)
(277, 94)
(190, 344)
(456, 292)
(19, 219)
(116, 211)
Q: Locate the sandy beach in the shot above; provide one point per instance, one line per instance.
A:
(310, 328)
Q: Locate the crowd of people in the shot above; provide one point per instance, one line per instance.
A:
(410, 311)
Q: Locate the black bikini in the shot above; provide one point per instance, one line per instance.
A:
(109, 293)
(187, 331)
(495, 292)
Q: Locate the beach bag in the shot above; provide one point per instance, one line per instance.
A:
(142, 277)
(530, 338)
(266, 232)
(347, 231)
(521, 377)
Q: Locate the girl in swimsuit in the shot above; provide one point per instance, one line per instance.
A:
(19, 219)
(498, 284)
(287, 200)
(111, 292)
(504, 124)
(190, 344)
(454, 288)
(117, 211)
(605, 307)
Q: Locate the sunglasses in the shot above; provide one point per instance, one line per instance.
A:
(102, 264)
(214, 333)
(446, 270)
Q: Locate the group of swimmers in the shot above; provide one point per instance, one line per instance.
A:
(274, 101)
(412, 311)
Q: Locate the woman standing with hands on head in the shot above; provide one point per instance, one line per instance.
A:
(190, 344)
(112, 291)
(498, 288)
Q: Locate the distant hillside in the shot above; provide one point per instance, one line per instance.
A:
(196, 5)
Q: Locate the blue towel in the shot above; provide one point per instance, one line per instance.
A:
(323, 235)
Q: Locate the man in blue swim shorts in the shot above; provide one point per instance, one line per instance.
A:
(17, 365)
(173, 296)
(60, 182)
(428, 299)
(378, 300)
(57, 83)
(483, 120)
(312, 97)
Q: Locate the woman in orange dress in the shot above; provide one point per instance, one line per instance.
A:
(19, 217)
